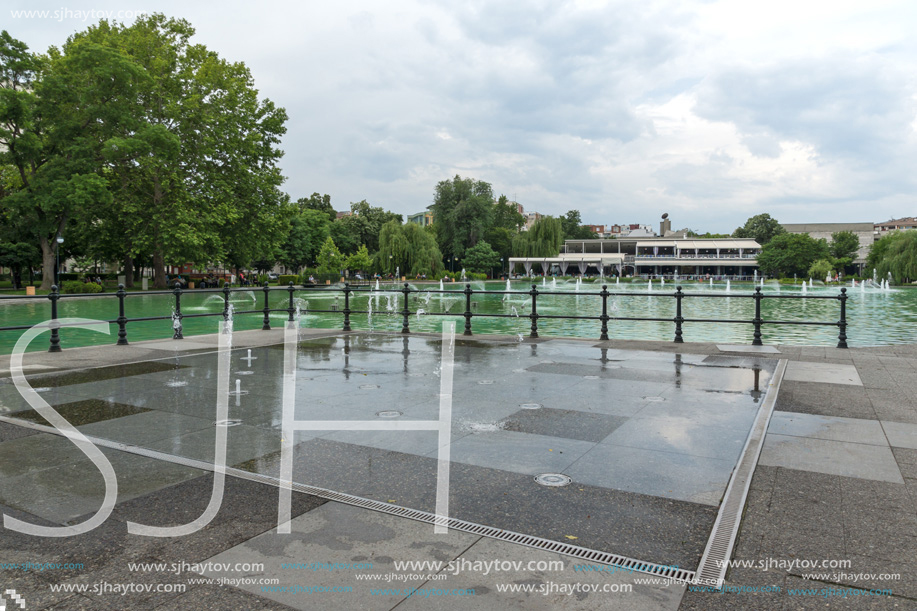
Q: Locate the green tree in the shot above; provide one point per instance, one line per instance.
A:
(346, 235)
(199, 178)
(507, 216)
(501, 240)
(410, 248)
(309, 228)
(57, 112)
(573, 229)
(330, 261)
(821, 269)
(360, 260)
(895, 253)
(544, 239)
(462, 211)
(791, 253)
(366, 221)
(481, 258)
(320, 203)
(761, 228)
(844, 245)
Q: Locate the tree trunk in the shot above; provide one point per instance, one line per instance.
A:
(128, 271)
(16, 273)
(159, 270)
(47, 264)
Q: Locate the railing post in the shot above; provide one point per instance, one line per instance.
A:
(405, 328)
(468, 309)
(54, 295)
(266, 326)
(291, 308)
(604, 295)
(346, 307)
(176, 316)
(534, 314)
(757, 320)
(678, 317)
(842, 323)
(122, 319)
(225, 302)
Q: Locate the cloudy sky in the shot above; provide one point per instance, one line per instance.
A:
(709, 110)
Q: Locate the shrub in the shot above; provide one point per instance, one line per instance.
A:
(75, 286)
(286, 279)
(91, 287)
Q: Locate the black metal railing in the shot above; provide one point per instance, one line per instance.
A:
(469, 314)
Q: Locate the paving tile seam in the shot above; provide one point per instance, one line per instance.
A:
(601, 557)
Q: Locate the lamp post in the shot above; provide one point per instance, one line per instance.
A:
(59, 240)
(501, 266)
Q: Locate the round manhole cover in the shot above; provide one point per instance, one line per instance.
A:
(530, 406)
(389, 413)
(230, 422)
(553, 479)
(369, 386)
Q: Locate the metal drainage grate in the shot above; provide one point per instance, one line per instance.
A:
(247, 372)
(485, 382)
(712, 568)
(655, 399)
(368, 386)
(177, 383)
(389, 413)
(591, 377)
(230, 422)
(530, 405)
(553, 479)
(574, 551)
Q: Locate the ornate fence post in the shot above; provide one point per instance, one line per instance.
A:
(225, 302)
(678, 317)
(757, 320)
(346, 307)
(290, 308)
(122, 319)
(842, 323)
(54, 295)
(604, 317)
(468, 309)
(534, 314)
(266, 324)
(176, 316)
(405, 327)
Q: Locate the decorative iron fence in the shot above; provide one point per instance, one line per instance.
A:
(469, 314)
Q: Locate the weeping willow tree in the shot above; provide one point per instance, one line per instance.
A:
(544, 239)
(896, 253)
(410, 248)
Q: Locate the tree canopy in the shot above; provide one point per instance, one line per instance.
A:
(761, 228)
(791, 253)
(895, 253)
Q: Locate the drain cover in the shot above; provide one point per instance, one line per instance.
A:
(42, 389)
(247, 372)
(657, 399)
(519, 370)
(530, 406)
(591, 377)
(177, 383)
(231, 422)
(485, 382)
(369, 386)
(416, 375)
(553, 479)
(390, 413)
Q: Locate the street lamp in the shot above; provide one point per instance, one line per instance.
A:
(454, 259)
(59, 240)
(501, 266)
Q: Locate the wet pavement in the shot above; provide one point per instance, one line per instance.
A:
(650, 438)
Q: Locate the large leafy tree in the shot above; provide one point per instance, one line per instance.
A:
(481, 258)
(309, 228)
(895, 253)
(409, 248)
(791, 253)
(330, 261)
(506, 215)
(199, 181)
(58, 113)
(844, 245)
(761, 228)
(365, 223)
(573, 229)
(320, 203)
(462, 212)
(544, 239)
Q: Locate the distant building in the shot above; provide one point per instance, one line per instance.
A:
(599, 229)
(421, 218)
(909, 222)
(530, 219)
(341, 215)
(864, 231)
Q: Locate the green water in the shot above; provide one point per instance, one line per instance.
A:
(875, 316)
